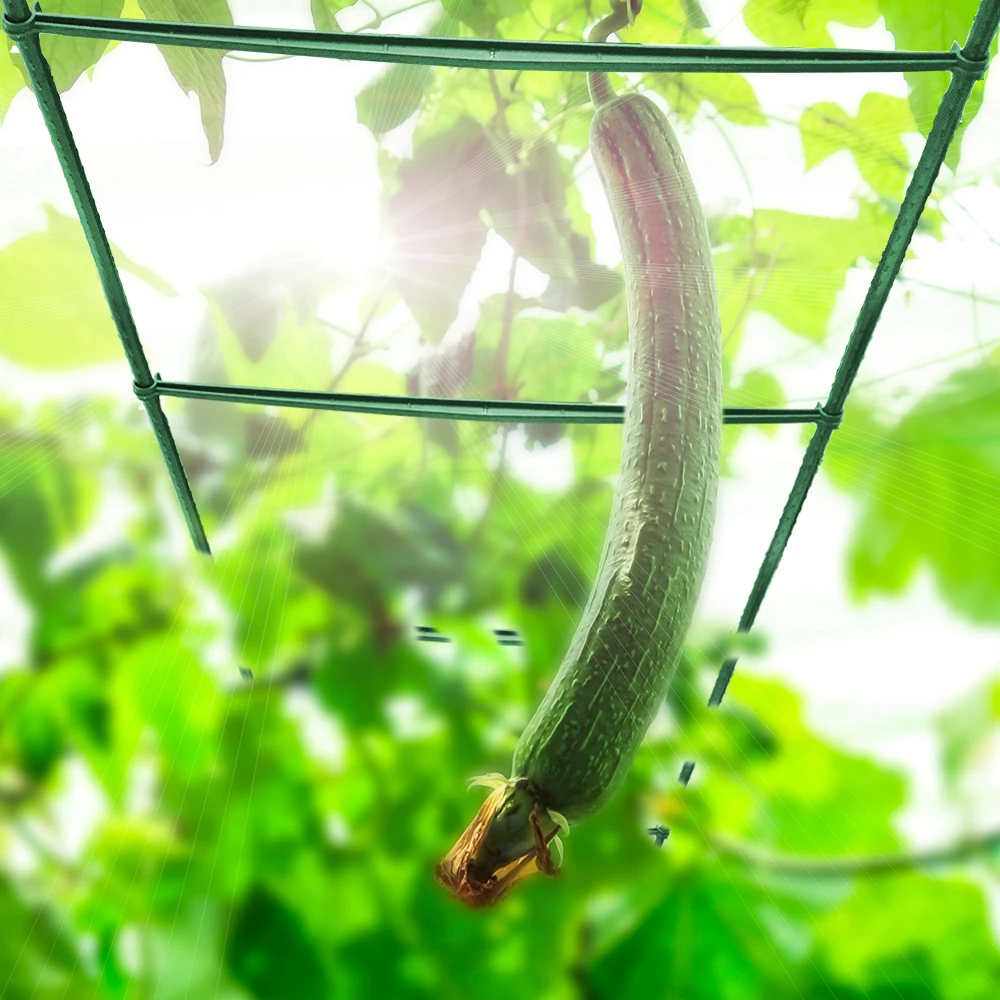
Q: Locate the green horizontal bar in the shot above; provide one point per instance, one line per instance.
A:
(15, 18)
(500, 53)
(946, 122)
(489, 410)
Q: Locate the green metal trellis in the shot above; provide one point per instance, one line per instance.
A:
(966, 64)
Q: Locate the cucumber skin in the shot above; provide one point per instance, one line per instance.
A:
(580, 743)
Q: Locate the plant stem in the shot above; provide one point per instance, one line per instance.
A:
(851, 865)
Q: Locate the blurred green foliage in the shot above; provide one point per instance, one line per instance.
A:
(277, 764)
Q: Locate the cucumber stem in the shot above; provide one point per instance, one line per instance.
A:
(622, 15)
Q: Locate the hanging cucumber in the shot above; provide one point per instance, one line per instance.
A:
(576, 750)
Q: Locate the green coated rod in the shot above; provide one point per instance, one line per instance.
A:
(499, 53)
(16, 15)
(487, 410)
(946, 122)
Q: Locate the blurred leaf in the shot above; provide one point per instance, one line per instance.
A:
(44, 502)
(928, 493)
(299, 353)
(678, 22)
(369, 554)
(874, 138)
(197, 71)
(37, 955)
(393, 97)
(965, 730)
(935, 28)
(324, 13)
(161, 689)
(792, 266)
(803, 22)
(482, 15)
(53, 314)
(904, 922)
(255, 301)
(847, 458)
(758, 389)
(800, 787)
(529, 208)
(731, 94)
(456, 97)
(11, 80)
(444, 371)
(184, 955)
(701, 942)
(256, 584)
(269, 952)
(36, 730)
(553, 577)
(550, 357)
(434, 217)
(695, 14)
(60, 709)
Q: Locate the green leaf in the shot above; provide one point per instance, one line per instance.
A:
(197, 71)
(799, 788)
(797, 23)
(434, 218)
(700, 942)
(256, 586)
(298, 350)
(928, 496)
(53, 314)
(370, 553)
(679, 22)
(482, 15)
(530, 207)
(68, 56)
(549, 356)
(183, 955)
(160, 686)
(458, 96)
(695, 14)
(324, 13)
(150, 277)
(255, 301)
(44, 502)
(270, 953)
(731, 94)
(38, 954)
(846, 460)
(792, 266)
(965, 730)
(393, 97)
(759, 389)
(11, 80)
(907, 921)
(553, 576)
(934, 27)
(874, 138)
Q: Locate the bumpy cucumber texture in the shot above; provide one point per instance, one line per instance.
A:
(577, 748)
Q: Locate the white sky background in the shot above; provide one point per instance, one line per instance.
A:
(298, 172)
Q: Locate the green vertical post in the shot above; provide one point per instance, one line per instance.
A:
(18, 23)
(973, 63)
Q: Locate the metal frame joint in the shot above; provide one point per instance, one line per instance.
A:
(146, 392)
(976, 68)
(832, 418)
(24, 26)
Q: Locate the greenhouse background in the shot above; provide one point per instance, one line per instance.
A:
(234, 776)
